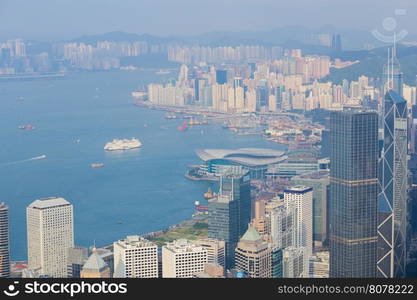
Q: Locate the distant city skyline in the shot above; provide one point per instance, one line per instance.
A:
(71, 19)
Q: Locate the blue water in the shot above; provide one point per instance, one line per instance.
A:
(145, 188)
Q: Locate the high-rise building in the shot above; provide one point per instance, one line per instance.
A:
(299, 199)
(216, 251)
(393, 195)
(77, 256)
(183, 259)
(319, 265)
(253, 255)
(279, 224)
(221, 76)
(135, 257)
(320, 182)
(337, 43)
(353, 193)
(95, 267)
(4, 241)
(230, 212)
(294, 262)
(237, 186)
(50, 235)
(223, 224)
(393, 77)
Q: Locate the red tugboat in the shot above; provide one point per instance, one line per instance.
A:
(184, 126)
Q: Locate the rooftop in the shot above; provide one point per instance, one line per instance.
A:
(314, 175)
(49, 203)
(183, 246)
(298, 189)
(251, 235)
(95, 262)
(135, 241)
(244, 156)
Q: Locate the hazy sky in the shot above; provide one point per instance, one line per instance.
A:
(62, 19)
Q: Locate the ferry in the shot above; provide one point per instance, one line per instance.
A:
(163, 72)
(139, 103)
(27, 127)
(123, 144)
(170, 116)
(97, 165)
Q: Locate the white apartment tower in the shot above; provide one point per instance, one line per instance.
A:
(50, 234)
(300, 200)
(135, 257)
(183, 259)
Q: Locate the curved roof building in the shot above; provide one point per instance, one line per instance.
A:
(249, 157)
(255, 160)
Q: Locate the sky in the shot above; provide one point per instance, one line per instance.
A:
(64, 19)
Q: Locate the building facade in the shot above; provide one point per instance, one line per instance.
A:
(253, 255)
(393, 187)
(216, 250)
(4, 241)
(353, 198)
(183, 259)
(230, 212)
(135, 257)
(50, 235)
(299, 199)
(320, 182)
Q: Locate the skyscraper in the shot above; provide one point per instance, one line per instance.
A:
(183, 259)
(221, 76)
(4, 241)
(223, 224)
(230, 212)
(320, 182)
(393, 77)
(77, 256)
(215, 250)
(337, 43)
(299, 199)
(237, 186)
(393, 181)
(253, 256)
(135, 257)
(295, 262)
(50, 235)
(353, 193)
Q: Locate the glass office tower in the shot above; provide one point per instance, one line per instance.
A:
(230, 212)
(353, 193)
(393, 184)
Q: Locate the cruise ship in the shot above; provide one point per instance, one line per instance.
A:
(123, 144)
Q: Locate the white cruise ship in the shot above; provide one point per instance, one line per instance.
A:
(123, 144)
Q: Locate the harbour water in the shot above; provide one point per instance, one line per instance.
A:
(136, 191)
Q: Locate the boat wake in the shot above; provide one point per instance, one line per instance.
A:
(23, 160)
